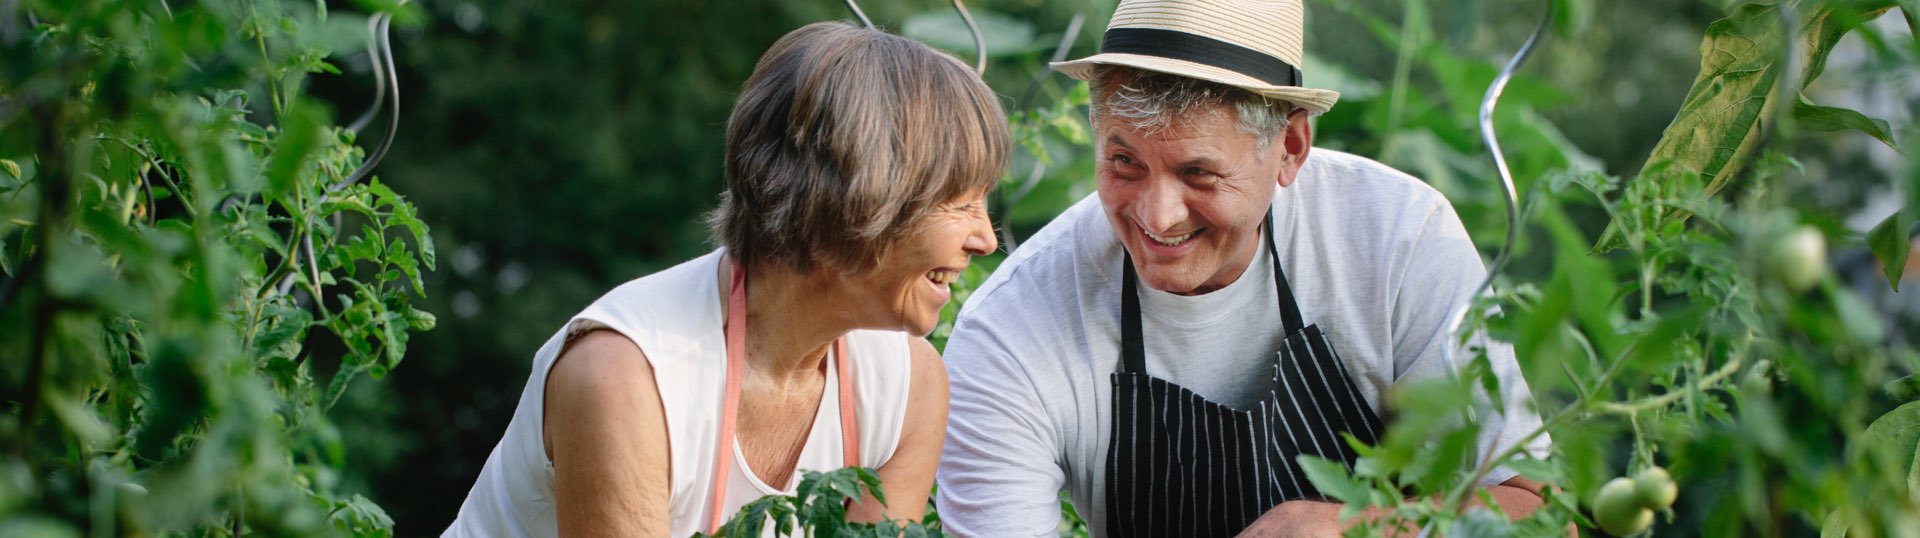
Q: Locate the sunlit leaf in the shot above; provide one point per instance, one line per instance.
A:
(1891, 242)
(1830, 119)
(1720, 121)
(1331, 478)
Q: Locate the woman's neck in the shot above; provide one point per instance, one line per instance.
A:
(792, 319)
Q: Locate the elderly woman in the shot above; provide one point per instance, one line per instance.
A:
(857, 164)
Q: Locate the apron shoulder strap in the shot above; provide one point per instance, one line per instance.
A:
(1289, 310)
(1133, 353)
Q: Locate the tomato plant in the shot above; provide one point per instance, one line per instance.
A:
(197, 269)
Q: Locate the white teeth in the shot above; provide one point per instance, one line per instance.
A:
(942, 277)
(1169, 241)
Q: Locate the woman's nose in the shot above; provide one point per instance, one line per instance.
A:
(980, 239)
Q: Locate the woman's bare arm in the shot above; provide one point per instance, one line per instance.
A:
(908, 476)
(606, 433)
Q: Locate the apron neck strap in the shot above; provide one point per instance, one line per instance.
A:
(730, 407)
(1133, 351)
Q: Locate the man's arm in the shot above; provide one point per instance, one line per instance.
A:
(999, 473)
(1518, 498)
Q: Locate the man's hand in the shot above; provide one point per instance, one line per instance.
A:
(1517, 497)
(1297, 519)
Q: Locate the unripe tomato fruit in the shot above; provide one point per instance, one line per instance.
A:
(1799, 259)
(1654, 488)
(1617, 508)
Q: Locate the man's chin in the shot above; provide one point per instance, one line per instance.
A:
(1177, 284)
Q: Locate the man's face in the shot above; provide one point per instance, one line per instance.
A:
(1187, 201)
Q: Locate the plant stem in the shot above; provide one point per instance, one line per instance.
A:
(1460, 491)
(260, 39)
(53, 210)
(1403, 61)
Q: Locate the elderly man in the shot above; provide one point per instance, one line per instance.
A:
(1165, 350)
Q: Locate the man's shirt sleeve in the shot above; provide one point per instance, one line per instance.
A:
(1441, 268)
(999, 472)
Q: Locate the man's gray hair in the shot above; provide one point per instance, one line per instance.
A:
(1151, 100)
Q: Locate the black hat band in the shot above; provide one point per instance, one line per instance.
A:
(1177, 45)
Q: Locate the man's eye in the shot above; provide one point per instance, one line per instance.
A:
(1122, 158)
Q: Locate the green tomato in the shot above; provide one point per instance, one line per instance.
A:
(1617, 508)
(1799, 259)
(1654, 488)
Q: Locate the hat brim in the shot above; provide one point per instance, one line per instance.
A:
(1316, 101)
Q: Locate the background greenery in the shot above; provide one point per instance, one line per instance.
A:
(560, 148)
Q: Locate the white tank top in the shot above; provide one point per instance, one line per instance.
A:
(675, 317)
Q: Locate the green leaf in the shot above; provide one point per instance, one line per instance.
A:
(1891, 242)
(301, 129)
(406, 214)
(1835, 526)
(77, 416)
(30, 525)
(1332, 479)
(362, 517)
(1913, 475)
(420, 320)
(394, 338)
(1657, 349)
(282, 324)
(1740, 66)
(338, 385)
(1824, 119)
(11, 168)
(75, 270)
(1482, 522)
(345, 202)
(872, 481)
(1571, 17)
(1542, 471)
(942, 28)
(1898, 434)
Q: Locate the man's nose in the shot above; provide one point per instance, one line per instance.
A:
(1162, 206)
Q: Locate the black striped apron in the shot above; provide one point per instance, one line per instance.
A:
(1179, 465)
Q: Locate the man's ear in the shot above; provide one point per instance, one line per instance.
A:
(1293, 146)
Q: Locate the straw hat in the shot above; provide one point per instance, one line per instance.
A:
(1250, 44)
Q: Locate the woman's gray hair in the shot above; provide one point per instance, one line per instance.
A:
(843, 140)
(1151, 100)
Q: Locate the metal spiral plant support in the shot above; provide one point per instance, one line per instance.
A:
(379, 75)
(386, 81)
(979, 45)
(862, 15)
(1007, 200)
(1455, 322)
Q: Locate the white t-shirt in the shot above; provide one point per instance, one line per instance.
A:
(1376, 258)
(675, 317)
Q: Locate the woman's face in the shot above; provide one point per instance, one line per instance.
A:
(912, 282)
